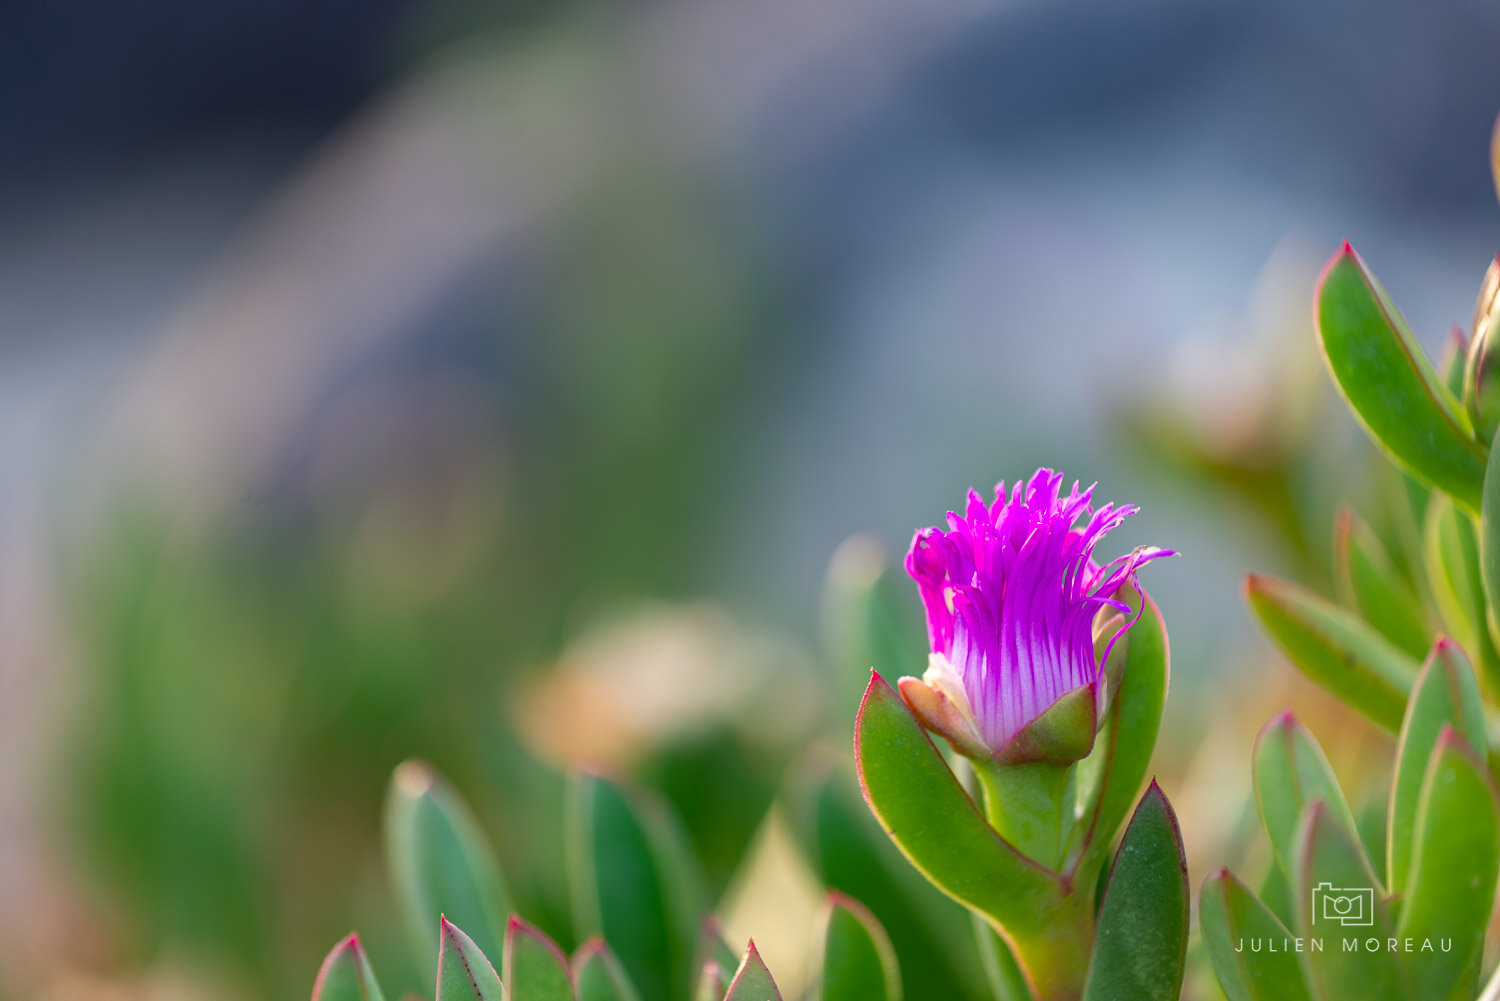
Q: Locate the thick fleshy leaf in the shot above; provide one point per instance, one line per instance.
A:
(1110, 778)
(1335, 648)
(346, 975)
(633, 882)
(869, 620)
(464, 972)
(1141, 943)
(1455, 861)
(931, 818)
(1391, 387)
(598, 975)
(848, 851)
(1446, 694)
(1291, 772)
(713, 946)
(440, 862)
(1370, 584)
(858, 963)
(1344, 916)
(1006, 980)
(535, 968)
(1251, 950)
(752, 981)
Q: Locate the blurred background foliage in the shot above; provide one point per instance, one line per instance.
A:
(495, 386)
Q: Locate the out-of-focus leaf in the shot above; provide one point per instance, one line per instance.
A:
(713, 946)
(1334, 881)
(1291, 772)
(1370, 584)
(1251, 950)
(932, 819)
(866, 624)
(752, 982)
(1454, 569)
(713, 982)
(858, 963)
(1111, 776)
(1141, 943)
(1489, 543)
(1455, 861)
(598, 975)
(849, 851)
(1007, 981)
(346, 975)
(1335, 648)
(1383, 374)
(1446, 694)
(440, 862)
(1481, 387)
(633, 882)
(535, 968)
(464, 972)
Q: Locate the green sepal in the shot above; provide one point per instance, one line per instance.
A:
(1140, 946)
(752, 981)
(598, 974)
(858, 962)
(1455, 862)
(1110, 778)
(930, 817)
(440, 862)
(633, 881)
(346, 975)
(1446, 693)
(1335, 648)
(535, 968)
(1062, 734)
(1381, 371)
(1291, 772)
(1370, 584)
(464, 972)
(1330, 860)
(1232, 920)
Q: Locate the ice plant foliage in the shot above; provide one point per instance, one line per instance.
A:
(1013, 595)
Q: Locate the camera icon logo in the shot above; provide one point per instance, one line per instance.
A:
(1350, 905)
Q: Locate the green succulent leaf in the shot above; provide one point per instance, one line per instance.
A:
(1455, 861)
(712, 945)
(633, 882)
(752, 982)
(932, 819)
(1141, 943)
(535, 968)
(1446, 694)
(464, 972)
(1110, 778)
(858, 963)
(1370, 584)
(1481, 390)
(1334, 878)
(1451, 548)
(1233, 921)
(1389, 384)
(1007, 982)
(1489, 542)
(867, 617)
(598, 975)
(1292, 772)
(1335, 648)
(346, 975)
(440, 862)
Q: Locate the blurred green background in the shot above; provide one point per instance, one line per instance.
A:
(495, 386)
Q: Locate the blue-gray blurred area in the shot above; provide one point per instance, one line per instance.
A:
(356, 358)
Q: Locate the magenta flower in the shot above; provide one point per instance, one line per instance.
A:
(1013, 597)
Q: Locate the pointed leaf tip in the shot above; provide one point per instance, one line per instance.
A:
(345, 974)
